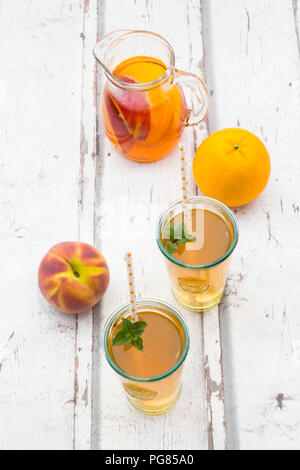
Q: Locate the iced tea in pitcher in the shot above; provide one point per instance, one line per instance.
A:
(143, 105)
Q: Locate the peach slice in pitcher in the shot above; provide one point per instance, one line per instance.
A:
(129, 114)
(145, 112)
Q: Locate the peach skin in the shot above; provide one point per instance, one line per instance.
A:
(73, 277)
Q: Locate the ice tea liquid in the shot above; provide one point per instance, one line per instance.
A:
(143, 125)
(164, 341)
(198, 269)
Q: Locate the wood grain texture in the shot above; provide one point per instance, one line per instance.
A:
(40, 76)
(254, 73)
(83, 364)
(212, 346)
(130, 199)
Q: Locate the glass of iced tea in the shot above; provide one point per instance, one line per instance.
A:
(197, 241)
(146, 103)
(150, 378)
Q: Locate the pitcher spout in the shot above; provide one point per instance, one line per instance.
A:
(101, 47)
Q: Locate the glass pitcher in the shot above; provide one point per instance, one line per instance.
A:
(146, 103)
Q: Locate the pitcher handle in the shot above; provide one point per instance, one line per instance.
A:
(200, 96)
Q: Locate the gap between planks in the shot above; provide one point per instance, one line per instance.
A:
(84, 335)
(211, 329)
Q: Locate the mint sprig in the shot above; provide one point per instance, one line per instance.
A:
(177, 237)
(130, 334)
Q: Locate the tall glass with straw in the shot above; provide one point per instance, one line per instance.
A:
(197, 236)
(146, 342)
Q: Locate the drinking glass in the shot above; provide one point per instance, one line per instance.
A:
(150, 395)
(198, 287)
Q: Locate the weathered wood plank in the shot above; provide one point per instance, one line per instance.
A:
(212, 346)
(136, 193)
(39, 166)
(254, 71)
(86, 206)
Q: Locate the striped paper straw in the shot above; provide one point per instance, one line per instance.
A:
(132, 296)
(184, 183)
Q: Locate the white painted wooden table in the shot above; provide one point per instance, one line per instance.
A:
(60, 179)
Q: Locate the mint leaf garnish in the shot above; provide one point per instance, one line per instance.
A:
(171, 247)
(130, 334)
(138, 343)
(178, 237)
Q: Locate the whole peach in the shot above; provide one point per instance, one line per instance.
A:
(73, 276)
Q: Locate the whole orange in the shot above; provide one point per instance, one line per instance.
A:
(232, 165)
